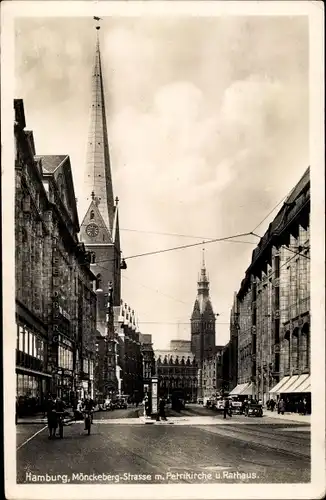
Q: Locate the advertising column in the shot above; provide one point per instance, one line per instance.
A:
(154, 395)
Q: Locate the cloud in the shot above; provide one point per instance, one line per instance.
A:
(208, 130)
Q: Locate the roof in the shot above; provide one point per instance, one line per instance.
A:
(145, 338)
(50, 163)
(203, 304)
(289, 210)
(299, 187)
(172, 354)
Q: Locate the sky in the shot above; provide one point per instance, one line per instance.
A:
(208, 122)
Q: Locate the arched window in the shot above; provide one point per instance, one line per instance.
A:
(93, 258)
(98, 281)
(91, 214)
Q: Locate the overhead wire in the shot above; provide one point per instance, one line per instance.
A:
(181, 247)
(269, 213)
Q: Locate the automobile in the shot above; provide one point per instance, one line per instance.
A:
(121, 403)
(108, 404)
(210, 403)
(236, 405)
(200, 401)
(219, 405)
(254, 410)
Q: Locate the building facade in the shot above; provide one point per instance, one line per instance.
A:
(274, 305)
(202, 327)
(177, 373)
(130, 357)
(101, 236)
(212, 374)
(148, 358)
(50, 263)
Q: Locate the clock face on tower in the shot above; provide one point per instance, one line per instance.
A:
(92, 230)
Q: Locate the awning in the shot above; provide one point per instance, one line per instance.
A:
(287, 388)
(238, 389)
(298, 382)
(247, 391)
(276, 389)
(32, 372)
(304, 386)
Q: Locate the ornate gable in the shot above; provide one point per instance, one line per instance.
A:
(196, 310)
(58, 167)
(93, 227)
(64, 181)
(208, 309)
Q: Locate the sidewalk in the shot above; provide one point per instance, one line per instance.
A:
(292, 417)
(211, 421)
(38, 418)
(188, 420)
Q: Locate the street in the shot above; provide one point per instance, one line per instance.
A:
(188, 450)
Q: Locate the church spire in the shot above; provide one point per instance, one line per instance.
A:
(203, 283)
(98, 182)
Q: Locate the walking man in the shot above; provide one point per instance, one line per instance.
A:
(51, 416)
(227, 410)
(281, 406)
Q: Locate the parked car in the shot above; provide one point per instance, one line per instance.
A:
(254, 410)
(121, 403)
(219, 406)
(200, 401)
(236, 405)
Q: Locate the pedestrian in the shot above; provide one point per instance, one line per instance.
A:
(147, 407)
(272, 404)
(88, 407)
(162, 408)
(51, 416)
(281, 406)
(227, 409)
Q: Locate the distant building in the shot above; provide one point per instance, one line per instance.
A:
(130, 357)
(148, 359)
(177, 372)
(212, 373)
(202, 327)
(180, 345)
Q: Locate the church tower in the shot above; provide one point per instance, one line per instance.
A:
(100, 226)
(203, 320)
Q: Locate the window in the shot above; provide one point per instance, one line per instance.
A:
(92, 214)
(277, 266)
(21, 338)
(27, 342)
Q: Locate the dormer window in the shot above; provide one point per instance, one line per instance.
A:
(92, 214)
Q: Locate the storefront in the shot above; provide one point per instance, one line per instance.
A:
(32, 381)
(65, 378)
(295, 390)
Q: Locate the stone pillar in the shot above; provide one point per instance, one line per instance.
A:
(294, 349)
(303, 350)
